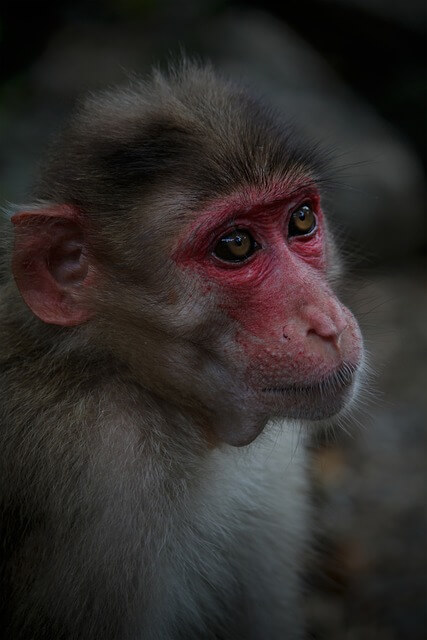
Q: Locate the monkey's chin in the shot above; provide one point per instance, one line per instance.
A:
(240, 430)
(238, 425)
(314, 401)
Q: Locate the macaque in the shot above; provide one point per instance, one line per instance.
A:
(168, 333)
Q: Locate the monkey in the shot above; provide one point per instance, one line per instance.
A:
(169, 333)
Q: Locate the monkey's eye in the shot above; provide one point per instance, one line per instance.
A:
(303, 221)
(236, 246)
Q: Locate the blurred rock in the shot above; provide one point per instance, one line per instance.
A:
(87, 56)
(412, 12)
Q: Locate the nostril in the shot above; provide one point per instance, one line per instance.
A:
(332, 337)
(324, 331)
(323, 337)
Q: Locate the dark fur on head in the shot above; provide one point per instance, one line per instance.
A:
(133, 140)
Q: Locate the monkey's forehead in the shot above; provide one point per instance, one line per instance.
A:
(190, 130)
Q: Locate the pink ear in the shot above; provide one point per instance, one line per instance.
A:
(50, 264)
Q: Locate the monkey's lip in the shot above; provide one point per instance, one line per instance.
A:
(319, 399)
(341, 377)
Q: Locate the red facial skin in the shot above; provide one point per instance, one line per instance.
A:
(291, 327)
(49, 264)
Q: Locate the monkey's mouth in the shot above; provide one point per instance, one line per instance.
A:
(316, 400)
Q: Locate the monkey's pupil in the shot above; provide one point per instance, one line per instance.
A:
(236, 246)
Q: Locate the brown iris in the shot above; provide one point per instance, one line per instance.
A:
(235, 246)
(303, 221)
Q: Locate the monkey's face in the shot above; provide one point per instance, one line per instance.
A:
(234, 321)
(294, 349)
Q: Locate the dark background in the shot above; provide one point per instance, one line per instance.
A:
(352, 74)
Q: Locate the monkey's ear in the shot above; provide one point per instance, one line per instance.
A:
(50, 264)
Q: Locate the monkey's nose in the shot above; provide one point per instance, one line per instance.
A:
(327, 327)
